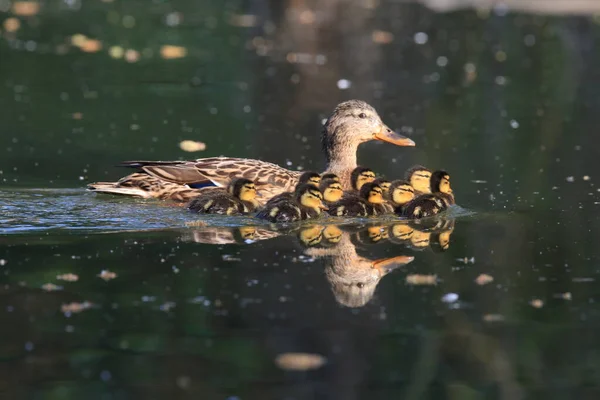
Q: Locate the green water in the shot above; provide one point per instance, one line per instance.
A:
(497, 300)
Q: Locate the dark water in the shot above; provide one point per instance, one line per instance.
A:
(114, 298)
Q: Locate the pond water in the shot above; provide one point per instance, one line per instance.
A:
(107, 297)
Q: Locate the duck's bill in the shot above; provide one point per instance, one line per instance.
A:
(386, 265)
(323, 207)
(388, 135)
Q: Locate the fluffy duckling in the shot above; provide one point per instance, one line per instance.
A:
(308, 177)
(430, 204)
(240, 198)
(331, 176)
(332, 191)
(419, 177)
(401, 193)
(360, 176)
(367, 203)
(307, 203)
(385, 185)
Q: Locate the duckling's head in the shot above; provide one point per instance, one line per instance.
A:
(385, 185)
(354, 122)
(331, 176)
(332, 190)
(440, 182)
(312, 235)
(310, 197)
(360, 176)
(401, 192)
(310, 177)
(419, 177)
(372, 192)
(242, 189)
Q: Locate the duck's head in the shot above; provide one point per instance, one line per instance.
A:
(360, 176)
(354, 122)
(330, 176)
(332, 190)
(310, 197)
(242, 189)
(385, 185)
(310, 177)
(401, 192)
(440, 182)
(372, 192)
(419, 178)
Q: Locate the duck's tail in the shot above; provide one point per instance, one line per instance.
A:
(113, 188)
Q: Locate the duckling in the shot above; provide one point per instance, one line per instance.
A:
(307, 203)
(331, 176)
(430, 204)
(240, 198)
(308, 177)
(385, 185)
(332, 191)
(360, 176)
(367, 203)
(401, 193)
(419, 177)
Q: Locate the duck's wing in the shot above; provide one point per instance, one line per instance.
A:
(220, 171)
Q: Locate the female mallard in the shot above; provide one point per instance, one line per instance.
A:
(430, 204)
(308, 177)
(240, 198)
(352, 123)
(307, 203)
(367, 203)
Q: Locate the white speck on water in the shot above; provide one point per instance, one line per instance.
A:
(570, 179)
(344, 84)
(247, 109)
(421, 38)
(3, 262)
(500, 80)
(514, 124)
(450, 297)
(586, 177)
(442, 61)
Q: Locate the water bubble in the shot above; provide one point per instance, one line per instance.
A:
(514, 124)
(450, 297)
(421, 38)
(344, 84)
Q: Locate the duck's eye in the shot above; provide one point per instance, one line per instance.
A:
(362, 115)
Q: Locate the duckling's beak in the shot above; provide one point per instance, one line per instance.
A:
(387, 135)
(322, 206)
(387, 265)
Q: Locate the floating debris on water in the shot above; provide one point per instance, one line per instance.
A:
(586, 178)
(75, 307)
(229, 257)
(171, 52)
(197, 223)
(106, 275)
(466, 260)
(564, 296)
(244, 20)
(450, 297)
(570, 179)
(382, 37)
(478, 181)
(493, 318)
(191, 146)
(11, 25)
(583, 280)
(25, 8)
(417, 279)
(51, 287)
(537, 303)
(68, 277)
(484, 279)
(300, 361)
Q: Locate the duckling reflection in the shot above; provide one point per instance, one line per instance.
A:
(419, 236)
(353, 278)
(227, 235)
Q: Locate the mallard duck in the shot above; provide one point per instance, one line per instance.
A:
(330, 176)
(332, 191)
(401, 193)
(420, 179)
(307, 203)
(240, 198)
(430, 204)
(308, 177)
(367, 203)
(359, 176)
(352, 123)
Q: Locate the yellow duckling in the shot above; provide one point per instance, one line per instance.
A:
(367, 203)
(332, 191)
(385, 185)
(419, 177)
(401, 193)
(360, 176)
(331, 176)
(307, 203)
(240, 198)
(308, 177)
(439, 200)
